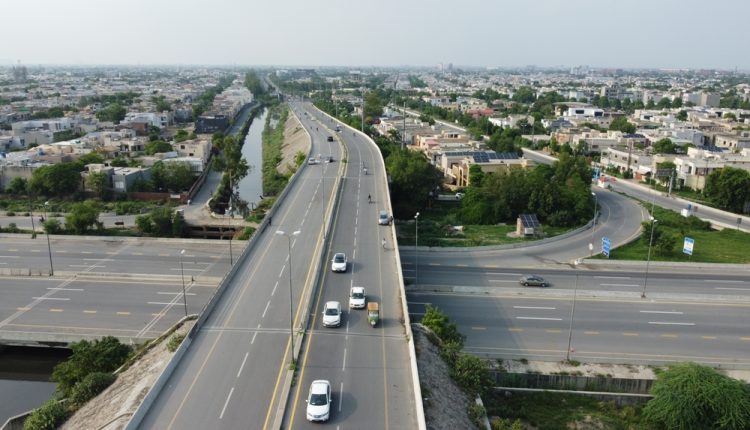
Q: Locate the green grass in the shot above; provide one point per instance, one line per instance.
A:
(711, 246)
(273, 181)
(553, 411)
(434, 230)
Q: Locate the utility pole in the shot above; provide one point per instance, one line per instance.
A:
(403, 129)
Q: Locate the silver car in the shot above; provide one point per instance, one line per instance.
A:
(533, 281)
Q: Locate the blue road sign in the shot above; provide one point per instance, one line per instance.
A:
(606, 244)
(687, 246)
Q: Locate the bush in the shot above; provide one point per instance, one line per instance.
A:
(10, 213)
(47, 417)
(90, 387)
(438, 322)
(246, 233)
(471, 373)
(174, 342)
(476, 414)
(104, 355)
(53, 226)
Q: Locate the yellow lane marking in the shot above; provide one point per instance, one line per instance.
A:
(479, 328)
(36, 250)
(13, 250)
(630, 334)
(89, 312)
(60, 251)
(515, 329)
(23, 309)
(163, 255)
(123, 313)
(55, 310)
(86, 252)
(668, 335)
(216, 257)
(462, 265)
(552, 331)
(708, 337)
(745, 338)
(590, 332)
(136, 253)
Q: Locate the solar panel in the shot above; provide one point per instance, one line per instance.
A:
(530, 220)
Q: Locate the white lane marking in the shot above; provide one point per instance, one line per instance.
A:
(619, 285)
(539, 318)
(185, 269)
(11, 256)
(266, 309)
(663, 312)
(341, 397)
(170, 293)
(64, 289)
(496, 273)
(612, 277)
(226, 402)
(256, 333)
(534, 307)
(719, 281)
(281, 272)
(164, 303)
(274, 288)
(83, 265)
(733, 289)
(420, 303)
(343, 366)
(242, 366)
(51, 298)
(97, 259)
(354, 254)
(669, 323)
(513, 281)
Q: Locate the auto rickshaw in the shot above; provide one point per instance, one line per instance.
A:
(373, 313)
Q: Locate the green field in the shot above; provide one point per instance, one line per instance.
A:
(711, 246)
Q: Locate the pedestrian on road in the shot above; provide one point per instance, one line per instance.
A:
(383, 243)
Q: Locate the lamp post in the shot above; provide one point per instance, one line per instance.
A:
(648, 258)
(182, 272)
(416, 250)
(291, 312)
(572, 311)
(49, 247)
(593, 226)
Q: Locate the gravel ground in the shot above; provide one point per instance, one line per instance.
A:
(113, 407)
(295, 140)
(445, 404)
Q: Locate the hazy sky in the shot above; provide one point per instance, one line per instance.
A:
(506, 33)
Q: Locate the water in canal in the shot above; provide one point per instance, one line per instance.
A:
(251, 186)
(24, 378)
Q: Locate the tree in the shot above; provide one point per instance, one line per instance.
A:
(253, 83)
(156, 146)
(682, 115)
(729, 188)
(99, 183)
(622, 124)
(373, 106)
(173, 176)
(691, 396)
(665, 146)
(52, 226)
(439, 323)
(101, 355)
(17, 186)
(524, 94)
(57, 179)
(730, 116)
(181, 135)
(664, 103)
(82, 217)
(119, 162)
(90, 158)
(114, 112)
(413, 178)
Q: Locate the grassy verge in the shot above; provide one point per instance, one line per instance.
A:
(20, 205)
(273, 181)
(711, 246)
(552, 411)
(434, 230)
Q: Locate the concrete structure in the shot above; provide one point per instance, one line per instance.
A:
(124, 177)
(211, 123)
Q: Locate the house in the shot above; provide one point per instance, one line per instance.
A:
(732, 142)
(211, 123)
(123, 178)
(196, 148)
(457, 164)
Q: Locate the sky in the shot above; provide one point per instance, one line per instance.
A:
(501, 33)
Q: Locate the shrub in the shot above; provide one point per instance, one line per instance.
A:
(10, 213)
(476, 414)
(471, 373)
(104, 355)
(246, 233)
(438, 322)
(90, 387)
(174, 342)
(47, 417)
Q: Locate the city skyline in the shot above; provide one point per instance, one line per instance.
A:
(669, 34)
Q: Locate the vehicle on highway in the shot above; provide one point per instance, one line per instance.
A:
(339, 263)
(330, 138)
(319, 401)
(312, 161)
(357, 298)
(373, 313)
(332, 314)
(383, 218)
(329, 159)
(533, 281)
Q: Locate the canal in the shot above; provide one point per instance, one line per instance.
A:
(251, 186)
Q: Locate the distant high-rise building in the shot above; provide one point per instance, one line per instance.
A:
(20, 74)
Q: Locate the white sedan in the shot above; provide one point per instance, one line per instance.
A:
(357, 298)
(319, 401)
(339, 263)
(332, 314)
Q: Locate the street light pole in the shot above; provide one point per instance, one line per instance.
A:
(593, 226)
(572, 311)
(49, 247)
(416, 249)
(648, 258)
(291, 312)
(182, 272)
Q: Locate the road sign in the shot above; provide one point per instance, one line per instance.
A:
(606, 244)
(687, 246)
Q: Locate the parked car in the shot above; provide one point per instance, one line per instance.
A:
(339, 263)
(357, 298)
(533, 281)
(319, 401)
(332, 314)
(330, 138)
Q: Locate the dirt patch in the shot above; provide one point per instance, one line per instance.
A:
(445, 404)
(295, 140)
(113, 408)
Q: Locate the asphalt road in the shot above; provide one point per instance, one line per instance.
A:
(202, 258)
(69, 309)
(229, 377)
(604, 330)
(368, 367)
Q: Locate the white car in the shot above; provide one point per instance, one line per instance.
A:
(312, 161)
(357, 298)
(338, 264)
(319, 401)
(332, 314)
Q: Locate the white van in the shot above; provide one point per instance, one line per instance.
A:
(383, 218)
